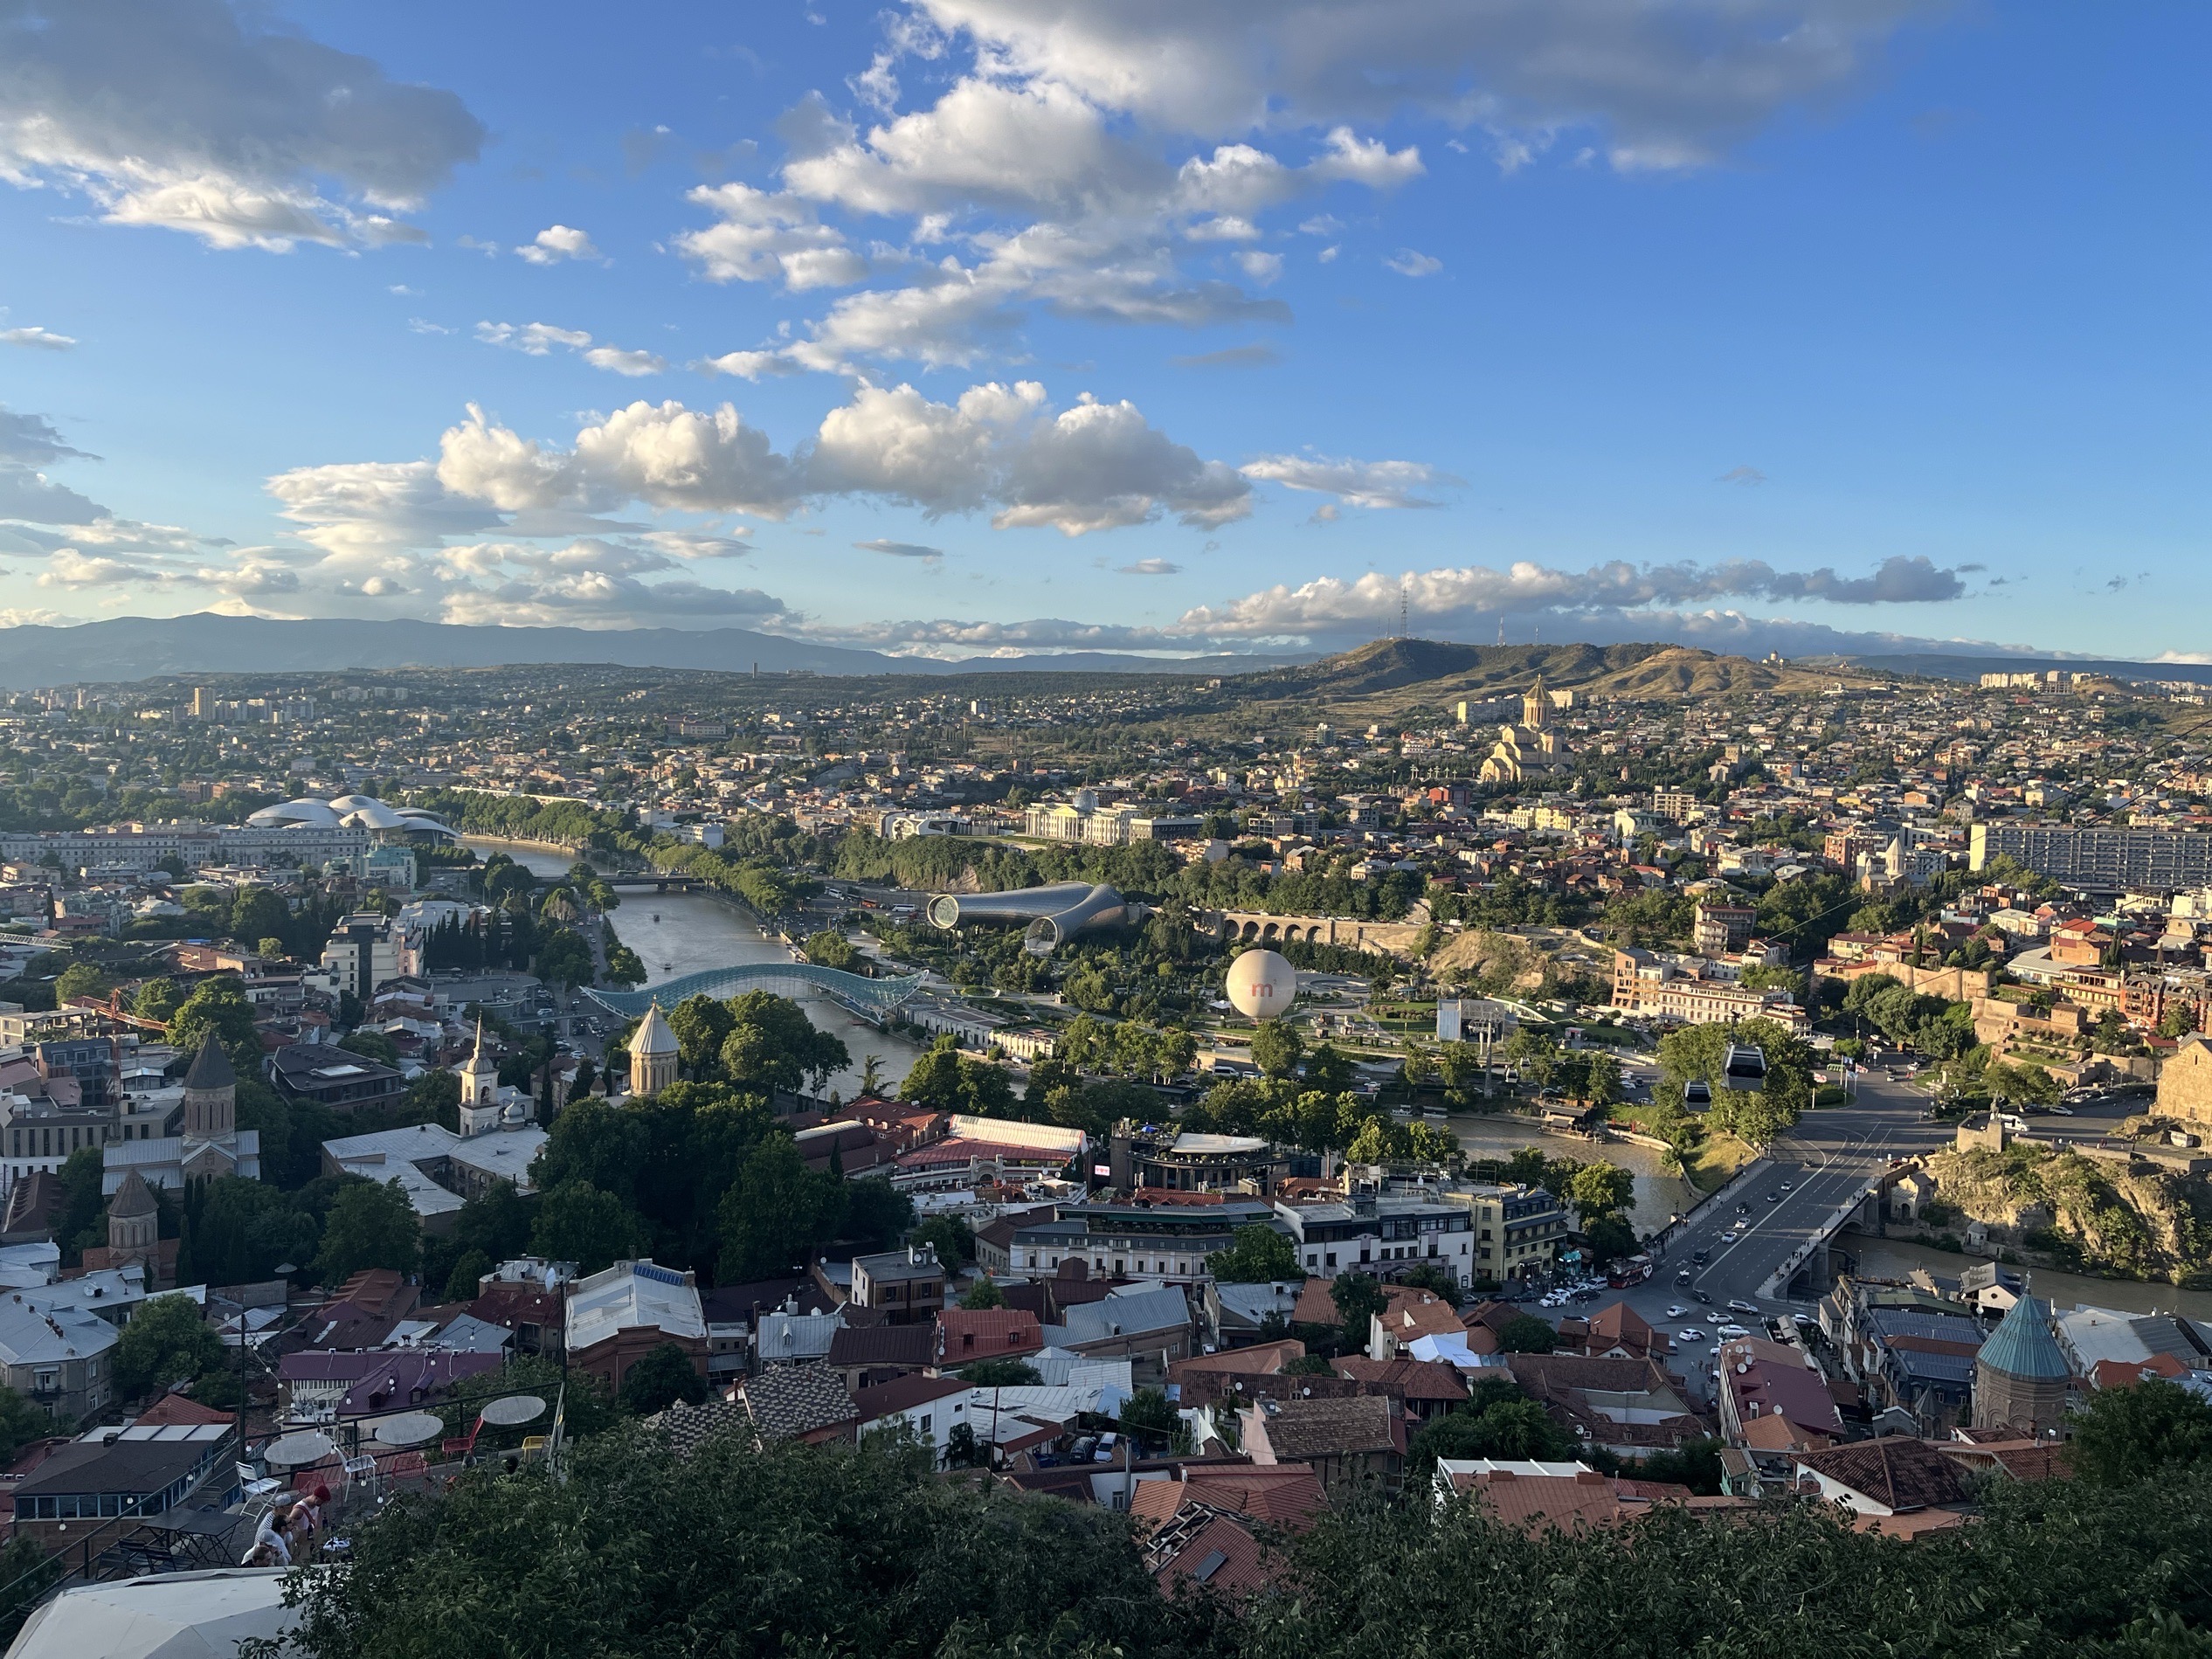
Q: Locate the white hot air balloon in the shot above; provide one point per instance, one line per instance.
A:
(1262, 986)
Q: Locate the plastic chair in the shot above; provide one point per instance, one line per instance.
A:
(463, 1445)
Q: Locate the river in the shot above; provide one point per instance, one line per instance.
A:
(1660, 1193)
(1896, 1258)
(678, 933)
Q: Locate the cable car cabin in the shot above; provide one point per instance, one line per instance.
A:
(1743, 1070)
(1697, 1095)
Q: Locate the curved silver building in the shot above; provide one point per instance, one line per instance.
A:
(1048, 915)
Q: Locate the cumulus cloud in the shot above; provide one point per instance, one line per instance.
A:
(371, 511)
(764, 237)
(556, 243)
(1408, 262)
(1003, 449)
(1378, 484)
(1095, 465)
(1263, 268)
(192, 115)
(1036, 144)
(39, 339)
(665, 455)
(538, 339)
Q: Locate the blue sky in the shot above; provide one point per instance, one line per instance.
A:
(1177, 325)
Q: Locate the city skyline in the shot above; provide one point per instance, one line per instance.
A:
(966, 327)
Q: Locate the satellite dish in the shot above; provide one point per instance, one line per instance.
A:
(1262, 984)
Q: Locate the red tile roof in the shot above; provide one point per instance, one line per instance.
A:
(968, 1334)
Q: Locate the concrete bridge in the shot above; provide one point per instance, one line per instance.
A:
(1257, 927)
(636, 883)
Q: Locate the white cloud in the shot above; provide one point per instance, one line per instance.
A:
(1660, 79)
(768, 238)
(633, 363)
(988, 142)
(1151, 567)
(538, 339)
(589, 583)
(1095, 466)
(1379, 484)
(535, 338)
(29, 617)
(177, 113)
(1457, 599)
(902, 550)
(1263, 268)
(556, 243)
(423, 325)
(41, 339)
(366, 512)
(1408, 262)
(670, 456)
(70, 569)
(750, 365)
(698, 544)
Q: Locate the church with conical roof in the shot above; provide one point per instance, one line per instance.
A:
(654, 1054)
(207, 1142)
(2021, 1377)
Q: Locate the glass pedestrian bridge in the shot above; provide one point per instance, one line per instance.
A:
(870, 999)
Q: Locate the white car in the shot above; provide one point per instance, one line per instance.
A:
(1677, 1311)
(1690, 1333)
(1729, 1333)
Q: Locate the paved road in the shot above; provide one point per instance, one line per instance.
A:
(1824, 1162)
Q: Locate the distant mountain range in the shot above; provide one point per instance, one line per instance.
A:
(144, 647)
(124, 649)
(1950, 668)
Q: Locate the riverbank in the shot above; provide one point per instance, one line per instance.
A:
(675, 934)
(1887, 1258)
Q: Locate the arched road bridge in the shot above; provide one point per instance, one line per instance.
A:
(870, 999)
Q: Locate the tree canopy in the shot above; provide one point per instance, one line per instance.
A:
(1257, 1254)
(641, 1553)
